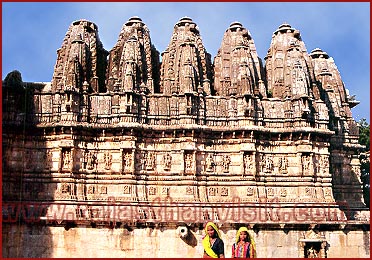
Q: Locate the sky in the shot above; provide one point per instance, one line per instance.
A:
(33, 31)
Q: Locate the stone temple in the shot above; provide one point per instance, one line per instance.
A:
(124, 154)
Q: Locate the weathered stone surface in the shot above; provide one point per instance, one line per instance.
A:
(186, 66)
(81, 59)
(155, 242)
(133, 62)
(237, 67)
(124, 153)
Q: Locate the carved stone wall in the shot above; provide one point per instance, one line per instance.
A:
(133, 140)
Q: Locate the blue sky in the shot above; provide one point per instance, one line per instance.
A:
(32, 32)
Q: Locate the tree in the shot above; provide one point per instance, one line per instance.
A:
(364, 134)
(364, 139)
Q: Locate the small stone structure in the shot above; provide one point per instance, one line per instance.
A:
(122, 155)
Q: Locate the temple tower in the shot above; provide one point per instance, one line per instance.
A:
(79, 70)
(186, 73)
(133, 61)
(237, 67)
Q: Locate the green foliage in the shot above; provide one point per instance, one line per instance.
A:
(364, 133)
(364, 139)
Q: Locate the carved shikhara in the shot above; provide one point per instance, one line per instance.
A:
(121, 124)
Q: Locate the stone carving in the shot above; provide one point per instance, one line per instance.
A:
(283, 164)
(224, 191)
(312, 253)
(299, 74)
(189, 162)
(91, 190)
(165, 191)
(324, 165)
(127, 189)
(107, 160)
(66, 159)
(306, 164)
(142, 214)
(132, 62)
(103, 189)
(283, 192)
(212, 191)
(282, 123)
(362, 216)
(356, 171)
(152, 190)
(150, 161)
(81, 58)
(189, 191)
(206, 215)
(48, 156)
(328, 75)
(127, 161)
(327, 192)
(226, 160)
(186, 66)
(268, 163)
(237, 65)
(250, 191)
(287, 53)
(338, 178)
(91, 160)
(167, 161)
(249, 164)
(65, 188)
(270, 192)
(209, 163)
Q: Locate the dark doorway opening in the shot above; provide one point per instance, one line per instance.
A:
(312, 249)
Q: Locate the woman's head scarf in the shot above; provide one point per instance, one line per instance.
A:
(206, 243)
(250, 238)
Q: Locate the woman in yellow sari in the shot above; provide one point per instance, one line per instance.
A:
(244, 246)
(212, 242)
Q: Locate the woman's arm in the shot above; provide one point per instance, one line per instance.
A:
(206, 256)
(221, 250)
(251, 250)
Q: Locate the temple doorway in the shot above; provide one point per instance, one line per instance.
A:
(312, 249)
(313, 244)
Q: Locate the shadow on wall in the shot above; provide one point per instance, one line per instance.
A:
(25, 199)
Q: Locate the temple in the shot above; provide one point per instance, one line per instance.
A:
(124, 154)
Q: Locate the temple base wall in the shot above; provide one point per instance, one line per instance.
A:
(21, 240)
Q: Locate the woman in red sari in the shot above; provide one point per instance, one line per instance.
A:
(244, 246)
